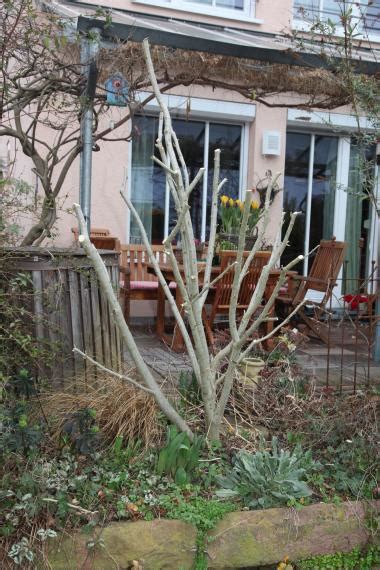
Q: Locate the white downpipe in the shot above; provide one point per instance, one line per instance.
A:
(243, 174)
(205, 180)
(167, 210)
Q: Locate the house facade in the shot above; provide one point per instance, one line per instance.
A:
(313, 150)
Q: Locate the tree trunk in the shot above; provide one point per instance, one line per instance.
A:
(45, 223)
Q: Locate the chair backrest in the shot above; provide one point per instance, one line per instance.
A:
(135, 256)
(95, 233)
(325, 269)
(224, 285)
(106, 242)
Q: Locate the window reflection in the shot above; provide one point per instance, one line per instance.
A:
(296, 188)
(148, 184)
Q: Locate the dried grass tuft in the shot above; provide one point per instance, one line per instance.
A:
(121, 410)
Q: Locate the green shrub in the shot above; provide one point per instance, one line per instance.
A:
(17, 432)
(268, 478)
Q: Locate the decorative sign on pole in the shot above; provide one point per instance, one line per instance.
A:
(117, 90)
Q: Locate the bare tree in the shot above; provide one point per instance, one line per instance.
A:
(215, 373)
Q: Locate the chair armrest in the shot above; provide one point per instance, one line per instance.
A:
(125, 277)
(124, 269)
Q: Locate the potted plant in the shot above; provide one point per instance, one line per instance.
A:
(249, 370)
(231, 215)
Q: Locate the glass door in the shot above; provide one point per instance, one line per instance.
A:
(149, 192)
(309, 188)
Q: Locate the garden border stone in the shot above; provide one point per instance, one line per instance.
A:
(260, 538)
(243, 539)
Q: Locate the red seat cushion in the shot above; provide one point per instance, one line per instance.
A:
(149, 285)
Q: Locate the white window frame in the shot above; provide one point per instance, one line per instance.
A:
(208, 111)
(245, 15)
(362, 34)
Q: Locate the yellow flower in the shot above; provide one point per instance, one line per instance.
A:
(231, 202)
(224, 200)
(255, 205)
(285, 565)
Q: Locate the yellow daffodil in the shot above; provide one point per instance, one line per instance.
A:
(255, 205)
(224, 200)
(231, 202)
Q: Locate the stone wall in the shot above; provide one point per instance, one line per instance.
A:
(241, 540)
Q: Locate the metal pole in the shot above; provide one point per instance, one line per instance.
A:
(376, 347)
(90, 47)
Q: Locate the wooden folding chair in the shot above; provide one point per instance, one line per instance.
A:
(322, 278)
(223, 288)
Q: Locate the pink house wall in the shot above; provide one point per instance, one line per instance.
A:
(275, 15)
(108, 209)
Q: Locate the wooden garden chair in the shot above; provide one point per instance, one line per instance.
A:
(223, 289)
(322, 278)
(140, 285)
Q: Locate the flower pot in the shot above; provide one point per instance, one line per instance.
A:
(231, 241)
(249, 370)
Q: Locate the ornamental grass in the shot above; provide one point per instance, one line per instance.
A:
(120, 410)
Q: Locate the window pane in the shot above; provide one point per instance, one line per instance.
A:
(228, 139)
(323, 194)
(191, 136)
(234, 4)
(147, 183)
(295, 193)
(306, 10)
(372, 17)
(332, 10)
(312, 10)
(205, 2)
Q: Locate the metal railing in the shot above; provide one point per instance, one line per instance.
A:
(349, 360)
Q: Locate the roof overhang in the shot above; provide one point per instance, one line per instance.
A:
(187, 35)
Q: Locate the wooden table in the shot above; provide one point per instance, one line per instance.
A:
(176, 341)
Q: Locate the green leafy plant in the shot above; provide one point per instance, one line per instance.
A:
(180, 456)
(188, 387)
(83, 432)
(353, 560)
(201, 512)
(268, 478)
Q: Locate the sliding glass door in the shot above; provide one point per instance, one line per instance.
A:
(149, 192)
(309, 188)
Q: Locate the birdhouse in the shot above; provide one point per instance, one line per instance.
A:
(117, 90)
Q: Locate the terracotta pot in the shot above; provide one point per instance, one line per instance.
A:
(249, 370)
